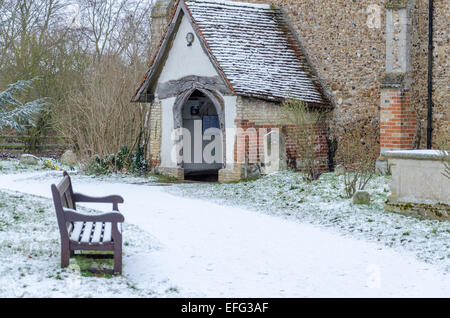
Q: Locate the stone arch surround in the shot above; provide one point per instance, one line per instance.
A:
(218, 103)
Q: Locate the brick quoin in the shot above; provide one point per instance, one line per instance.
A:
(154, 163)
(398, 123)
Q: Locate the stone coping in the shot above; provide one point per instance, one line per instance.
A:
(418, 154)
(393, 80)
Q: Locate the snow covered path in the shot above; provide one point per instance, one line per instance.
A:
(213, 251)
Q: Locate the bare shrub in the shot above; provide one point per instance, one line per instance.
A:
(305, 121)
(358, 153)
(98, 118)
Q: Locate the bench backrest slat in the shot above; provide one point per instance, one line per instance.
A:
(64, 184)
(67, 200)
(63, 198)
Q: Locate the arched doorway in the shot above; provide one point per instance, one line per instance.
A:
(203, 140)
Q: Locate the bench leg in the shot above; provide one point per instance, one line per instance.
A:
(118, 260)
(65, 256)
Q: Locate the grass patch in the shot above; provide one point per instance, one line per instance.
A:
(90, 267)
(163, 178)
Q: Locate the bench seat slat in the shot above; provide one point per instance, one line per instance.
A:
(75, 235)
(87, 232)
(97, 232)
(107, 233)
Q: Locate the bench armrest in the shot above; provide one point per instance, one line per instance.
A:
(114, 199)
(74, 216)
(78, 197)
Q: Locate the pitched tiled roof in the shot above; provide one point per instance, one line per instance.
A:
(255, 49)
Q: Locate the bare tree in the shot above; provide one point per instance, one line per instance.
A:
(38, 39)
(115, 27)
(100, 19)
(98, 119)
(26, 35)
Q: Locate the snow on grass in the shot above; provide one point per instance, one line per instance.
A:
(14, 166)
(24, 231)
(48, 165)
(30, 257)
(323, 203)
(210, 250)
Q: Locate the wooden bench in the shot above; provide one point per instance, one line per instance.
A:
(84, 232)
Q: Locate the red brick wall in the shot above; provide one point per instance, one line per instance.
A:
(321, 132)
(398, 120)
(255, 152)
(264, 116)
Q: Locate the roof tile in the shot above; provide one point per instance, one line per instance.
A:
(255, 49)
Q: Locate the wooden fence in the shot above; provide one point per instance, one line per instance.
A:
(39, 145)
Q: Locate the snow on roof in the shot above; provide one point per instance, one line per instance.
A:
(255, 49)
(234, 3)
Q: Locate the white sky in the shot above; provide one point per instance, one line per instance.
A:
(73, 16)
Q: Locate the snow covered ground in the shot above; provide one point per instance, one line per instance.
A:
(29, 256)
(323, 203)
(195, 247)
